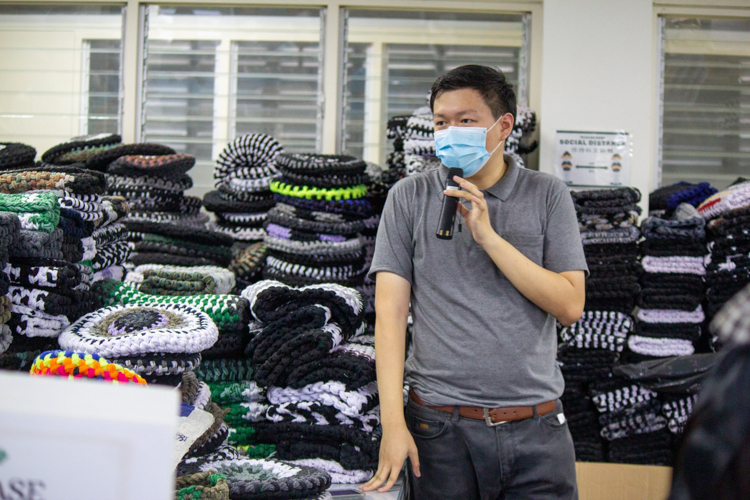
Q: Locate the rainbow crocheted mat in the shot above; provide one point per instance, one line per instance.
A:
(81, 365)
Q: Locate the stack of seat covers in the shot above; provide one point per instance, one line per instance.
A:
(317, 371)
(10, 227)
(672, 288)
(242, 177)
(313, 231)
(229, 313)
(49, 265)
(632, 423)
(150, 176)
(177, 245)
(158, 341)
(608, 223)
(728, 260)
(155, 186)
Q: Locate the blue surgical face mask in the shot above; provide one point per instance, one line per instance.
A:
(464, 148)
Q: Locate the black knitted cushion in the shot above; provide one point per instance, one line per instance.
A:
(197, 235)
(100, 160)
(15, 155)
(53, 154)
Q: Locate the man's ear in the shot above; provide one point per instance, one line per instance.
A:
(506, 125)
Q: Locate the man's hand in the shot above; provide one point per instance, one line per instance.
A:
(477, 219)
(396, 445)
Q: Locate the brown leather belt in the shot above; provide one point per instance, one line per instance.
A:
(492, 416)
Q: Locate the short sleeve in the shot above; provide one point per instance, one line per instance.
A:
(563, 249)
(394, 248)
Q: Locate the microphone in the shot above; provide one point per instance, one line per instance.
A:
(448, 211)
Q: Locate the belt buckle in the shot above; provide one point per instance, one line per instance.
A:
(488, 419)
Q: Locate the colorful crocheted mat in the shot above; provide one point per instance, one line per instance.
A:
(82, 365)
(124, 331)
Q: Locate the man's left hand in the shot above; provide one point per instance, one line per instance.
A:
(477, 219)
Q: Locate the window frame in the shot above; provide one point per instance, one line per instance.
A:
(133, 49)
(724, 9)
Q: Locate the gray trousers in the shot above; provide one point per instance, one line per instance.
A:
(463, 458)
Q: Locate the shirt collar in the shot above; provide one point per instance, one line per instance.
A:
(502, 188)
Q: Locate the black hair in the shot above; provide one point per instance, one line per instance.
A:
(490, 83)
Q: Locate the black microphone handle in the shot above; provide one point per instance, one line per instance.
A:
(448, 210)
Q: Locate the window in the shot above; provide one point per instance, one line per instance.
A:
(59, 72)
(214, 73)
(705, 100)
(392, 59)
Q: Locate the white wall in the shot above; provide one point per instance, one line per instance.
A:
(598, 75)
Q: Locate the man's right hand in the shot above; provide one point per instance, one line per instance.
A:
(396, 445)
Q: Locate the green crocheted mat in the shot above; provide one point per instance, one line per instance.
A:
(203, 485)
(224, 310)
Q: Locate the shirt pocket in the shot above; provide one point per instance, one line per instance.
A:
(531, 245)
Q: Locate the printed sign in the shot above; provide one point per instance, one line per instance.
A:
(593, 159)
(64, 439)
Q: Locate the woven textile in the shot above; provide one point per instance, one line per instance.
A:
(229, 312)
(83, 365)
(674, 264)
(203, 486)
(124, 331)
(671, 316)
(85, 142)
(41, 177)
(303, 336)
(670, 197)
(317, 164)
(102, 159)
(250, 479)
(169, 165)
(677, 412)
(352, 448)
(176, 283)
(47, 273)
(160, 364)
(223, 278)
(270, 301)
(734, 197)
(351, 403)
(247, 157)
(313, 193)
(660, 347)
(35, 211)
(243, 391)
(225, 370)
(15, 155)
(250, 261)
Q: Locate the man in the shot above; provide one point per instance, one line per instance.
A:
(483, 419)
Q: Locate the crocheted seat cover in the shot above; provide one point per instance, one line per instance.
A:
(258, 478)
(82, 365)
(123, 331)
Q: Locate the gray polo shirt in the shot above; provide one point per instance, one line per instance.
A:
(477, 340)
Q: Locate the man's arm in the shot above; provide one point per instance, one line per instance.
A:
(562, 295)
(392, 295)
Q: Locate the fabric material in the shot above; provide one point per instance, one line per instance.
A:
(534, 213)
(462, 458)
